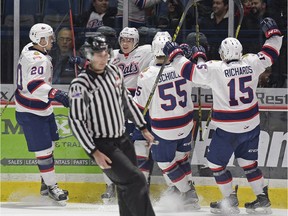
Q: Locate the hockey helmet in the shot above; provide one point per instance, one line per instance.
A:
(40, 30)
(159, 42)
(230, 49)
(95, 44)
(110, 34)
(129, 33)
(191, 40)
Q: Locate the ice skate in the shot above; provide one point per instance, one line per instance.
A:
(170, 191)
(227, 206)
(109, 197)
(190, 199)
(44, 189)
(261, 205)
(57, 195)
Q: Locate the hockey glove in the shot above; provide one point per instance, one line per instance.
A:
(186, 50)
(269, 27)
(81, 62)
(172, 49)
(198, 52)
(59, 96)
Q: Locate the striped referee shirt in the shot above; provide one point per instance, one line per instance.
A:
(99, 105)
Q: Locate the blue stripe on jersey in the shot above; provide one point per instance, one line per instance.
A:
(32, 104)
(32, 86)
(231, 116)
(188, 70)
(170, 123)
(271, 52)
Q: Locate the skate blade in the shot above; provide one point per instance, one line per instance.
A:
(259, 211)
(229, 211)
(44, 193)
(192, 207)
(60, 202)
(109, 201)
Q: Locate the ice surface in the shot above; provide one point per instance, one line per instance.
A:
(43, 206)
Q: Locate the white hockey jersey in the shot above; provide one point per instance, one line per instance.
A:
(136, 9)
(95, 20)
(34, 73)
(235, 104)
(171, 107)
(132, 64)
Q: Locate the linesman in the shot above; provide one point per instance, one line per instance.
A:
(100, 103)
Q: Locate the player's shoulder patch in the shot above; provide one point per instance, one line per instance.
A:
(145, 70)
(36, 55)
(76, 94)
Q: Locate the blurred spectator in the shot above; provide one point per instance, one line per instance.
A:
(264, 78)
(99, 14)
(111, 36)
(146, 35)
(246, 6)
(137, 14)
(63, 71)
(254, 38)
(174, 10)
(215, 27)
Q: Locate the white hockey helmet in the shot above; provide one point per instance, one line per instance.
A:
(130, 33)
(159, 42)
(230, 49)
(40, 30)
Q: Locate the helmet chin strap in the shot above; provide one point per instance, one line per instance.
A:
(43, 46)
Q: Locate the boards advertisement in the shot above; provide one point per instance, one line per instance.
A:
(71, 158)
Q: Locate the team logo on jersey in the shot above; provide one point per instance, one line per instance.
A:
(36, 55)
(76, 94)
(130, 69)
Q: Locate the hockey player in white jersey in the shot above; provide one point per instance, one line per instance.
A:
(131, 59)
(34, 112)
(235, 112)
(171, 119)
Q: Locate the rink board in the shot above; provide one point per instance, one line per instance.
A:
(70, 157)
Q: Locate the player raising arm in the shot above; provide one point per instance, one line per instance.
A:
(171, 114)
(235, 111)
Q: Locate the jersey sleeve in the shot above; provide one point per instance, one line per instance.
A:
(78, 96)
(144, 87)
(267, 56)
(197, 73)
(131, 111)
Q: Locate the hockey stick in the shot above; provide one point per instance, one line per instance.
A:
(241, 10)
(199, 88)
(8, 102)
(189, 4)
(73, 36)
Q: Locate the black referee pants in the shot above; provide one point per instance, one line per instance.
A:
(132, 189)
